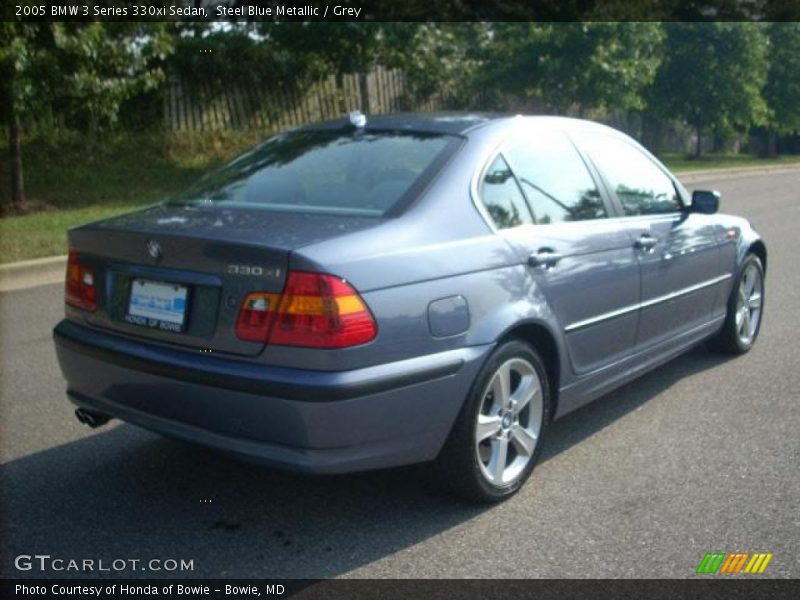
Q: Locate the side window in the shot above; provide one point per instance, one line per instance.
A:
(502, 197)
(555, 179)
(642, 187)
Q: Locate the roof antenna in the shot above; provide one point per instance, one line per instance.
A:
(357, 119)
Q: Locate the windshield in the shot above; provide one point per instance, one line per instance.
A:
(355, 173)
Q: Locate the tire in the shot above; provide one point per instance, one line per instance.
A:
(745, 310)
(472, 469)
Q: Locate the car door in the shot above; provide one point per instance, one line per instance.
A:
(677, 250)
(579, 259)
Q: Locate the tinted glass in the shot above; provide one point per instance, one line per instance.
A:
(325, 171)
(641, 186)
(555, 179)
(502, 197)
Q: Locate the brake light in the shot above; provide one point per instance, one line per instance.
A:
(315, 310)
(80, 289)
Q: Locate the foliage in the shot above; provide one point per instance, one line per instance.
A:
(712, 76)
(712, 73)
(585, 64)
(782, 90)
(339, 48)
(80, 72)
(447, 58)
(214, 56)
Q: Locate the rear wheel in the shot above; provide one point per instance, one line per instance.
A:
(494, 443)
(745, 309)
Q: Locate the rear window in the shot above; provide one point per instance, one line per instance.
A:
(355, 173)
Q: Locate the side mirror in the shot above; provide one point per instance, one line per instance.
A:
(705, 202)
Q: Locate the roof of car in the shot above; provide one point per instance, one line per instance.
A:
(453, 123)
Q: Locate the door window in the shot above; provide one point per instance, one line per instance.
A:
(640, 185)
(502, 197)
(555, 179)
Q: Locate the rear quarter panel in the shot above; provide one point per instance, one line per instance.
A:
(440, 247)
(497, 299)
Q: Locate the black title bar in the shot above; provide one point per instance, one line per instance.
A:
(711, 588)
(401, 10)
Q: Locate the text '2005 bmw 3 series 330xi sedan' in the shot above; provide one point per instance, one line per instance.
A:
(373, 292)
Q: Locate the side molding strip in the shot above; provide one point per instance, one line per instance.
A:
(653, 301)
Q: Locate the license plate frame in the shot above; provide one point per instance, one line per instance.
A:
(155, 304)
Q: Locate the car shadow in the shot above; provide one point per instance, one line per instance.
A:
(589, 419)
(126, 493)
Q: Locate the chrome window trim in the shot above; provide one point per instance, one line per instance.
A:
(477, 177)
(647, 303)
(653, 218)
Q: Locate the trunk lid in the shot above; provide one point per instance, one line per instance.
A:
(205, 258)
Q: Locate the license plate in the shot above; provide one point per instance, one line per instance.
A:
(157, 304)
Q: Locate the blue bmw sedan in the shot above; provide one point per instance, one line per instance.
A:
(373, 292)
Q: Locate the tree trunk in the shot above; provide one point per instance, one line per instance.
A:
(15, 154)
(698, 151)
(718, 144)
(772, 142)
(363, 87)
(651, 133)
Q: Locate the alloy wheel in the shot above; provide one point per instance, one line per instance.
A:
(748, 304)
(509, 422)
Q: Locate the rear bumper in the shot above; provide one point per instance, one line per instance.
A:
(313, 421)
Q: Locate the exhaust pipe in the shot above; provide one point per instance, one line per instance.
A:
(92, 419)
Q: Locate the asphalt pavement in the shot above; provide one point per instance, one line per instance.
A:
(701, 455)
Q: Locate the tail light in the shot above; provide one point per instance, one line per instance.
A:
(80, 289)
(315, 310)
(256, 316)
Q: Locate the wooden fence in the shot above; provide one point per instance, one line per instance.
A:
(195, 107)
(201, 108)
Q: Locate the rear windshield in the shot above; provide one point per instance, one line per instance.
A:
(354, 173)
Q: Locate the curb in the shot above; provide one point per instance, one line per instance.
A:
(32, 273)
(720, 174)
(44, 271)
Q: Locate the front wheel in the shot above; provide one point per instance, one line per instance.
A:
(494, 443)
(745, 309)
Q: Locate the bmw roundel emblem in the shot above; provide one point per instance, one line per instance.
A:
(154, 249)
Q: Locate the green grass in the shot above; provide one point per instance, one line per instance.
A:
(44, 234)
(73, 171)
(78, 179)
(682, 162)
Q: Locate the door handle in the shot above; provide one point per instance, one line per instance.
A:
(646, 242)
(544, 257)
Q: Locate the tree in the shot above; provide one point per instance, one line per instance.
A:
(13, 90)
(81, 72)
(446, 60)
(242, 52)
(587, 65)
(712, 77)
(342, 48)
(782, 90)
